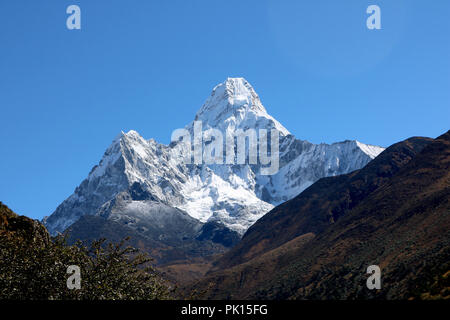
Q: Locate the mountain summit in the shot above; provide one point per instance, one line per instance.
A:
(234, 104)
(234, 195)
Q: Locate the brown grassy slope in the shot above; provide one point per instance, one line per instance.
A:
(321, 204)
(242, 280)
(13, 225)
(403, 226)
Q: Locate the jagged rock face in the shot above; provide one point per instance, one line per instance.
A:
(235, 195)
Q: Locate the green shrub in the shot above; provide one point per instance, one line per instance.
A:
(30, 270)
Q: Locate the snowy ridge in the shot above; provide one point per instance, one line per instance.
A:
(235, 195)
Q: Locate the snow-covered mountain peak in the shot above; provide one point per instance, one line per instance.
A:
(233, 93)
(133, 137)
(127, 147)
(235, 195)
(234, 104)
(124, 136)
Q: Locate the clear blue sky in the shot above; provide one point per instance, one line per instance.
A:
(149, 66)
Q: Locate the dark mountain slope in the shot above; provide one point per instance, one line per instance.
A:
(322, 204)
(402, 225)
